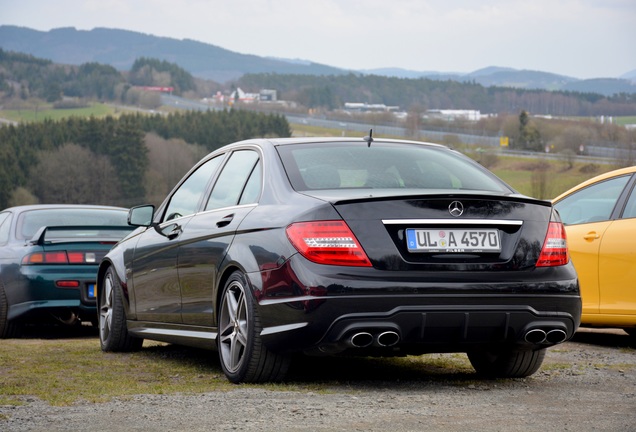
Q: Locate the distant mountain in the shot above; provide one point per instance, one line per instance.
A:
(120, 48)
(524, 79)
(631, 75)
(400, 73)
(489, 76)
(604, 86)
(490, 71)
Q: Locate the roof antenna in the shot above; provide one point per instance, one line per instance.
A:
(369, 138)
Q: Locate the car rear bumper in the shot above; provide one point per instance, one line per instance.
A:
(36, 293)
(414, 314)
(35, 310)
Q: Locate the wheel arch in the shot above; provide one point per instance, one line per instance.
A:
(121, 275)
(224, 275)
(240, 257)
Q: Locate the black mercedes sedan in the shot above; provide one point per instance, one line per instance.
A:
(358, 246)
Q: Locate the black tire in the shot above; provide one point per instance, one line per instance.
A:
(113, 330)
(243, 356)
(512, 363)
(8, 329)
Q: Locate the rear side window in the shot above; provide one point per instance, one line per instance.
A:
(239, 182)
(29, 222)
(383, 166)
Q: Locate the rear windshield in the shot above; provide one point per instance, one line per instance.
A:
(383, 166)
(31, 221)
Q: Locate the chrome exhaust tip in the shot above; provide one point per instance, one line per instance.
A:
(361, 340)
(387, 338)
(535, 336)
(556, 336)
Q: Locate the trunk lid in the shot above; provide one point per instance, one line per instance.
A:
(460, 231)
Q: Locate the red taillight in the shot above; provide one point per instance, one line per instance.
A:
(59, 257)
(555, 247)
(67, 284)
(327, 242)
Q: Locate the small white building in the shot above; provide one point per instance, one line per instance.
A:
(451, 115)
(239, 95)
(365, 107)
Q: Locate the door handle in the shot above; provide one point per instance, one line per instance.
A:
(591, 236)
(225, 221)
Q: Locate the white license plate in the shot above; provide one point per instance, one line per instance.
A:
(453, 240)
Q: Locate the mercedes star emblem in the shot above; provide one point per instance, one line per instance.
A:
(456, 209)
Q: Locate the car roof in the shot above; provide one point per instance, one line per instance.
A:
(320, 140)
(600, 177)
(336, 140)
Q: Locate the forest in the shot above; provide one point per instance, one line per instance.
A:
(128, 160)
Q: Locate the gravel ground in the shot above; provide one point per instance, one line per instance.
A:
(588, 384)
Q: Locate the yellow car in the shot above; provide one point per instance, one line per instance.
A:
(600, 221)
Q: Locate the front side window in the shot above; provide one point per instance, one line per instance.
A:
(595, 203)
(383, 166)
(233, 184)
(186, 200)
(630, 208)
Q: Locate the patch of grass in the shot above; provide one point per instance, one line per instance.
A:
(47, 112)
(302, 130)
(63, 371)
(67, 370)
(623, 366)
(625, 120)
(519, 175)
(549, 366)
(11, 401)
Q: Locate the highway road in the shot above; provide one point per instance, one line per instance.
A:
(597, 154)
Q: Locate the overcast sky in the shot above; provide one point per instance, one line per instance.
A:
(578, 38)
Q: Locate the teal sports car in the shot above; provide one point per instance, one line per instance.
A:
(49, 256)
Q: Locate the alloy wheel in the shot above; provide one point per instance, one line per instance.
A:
(233, 319)
(106, 310)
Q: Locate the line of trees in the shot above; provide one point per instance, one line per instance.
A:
(106, 161)
(332, 91)
(24, 76)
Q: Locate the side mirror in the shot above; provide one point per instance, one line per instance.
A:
(141, 215)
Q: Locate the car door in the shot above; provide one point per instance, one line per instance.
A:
(154, 269)
(617, 264)
(587, 214)
(208, 236)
